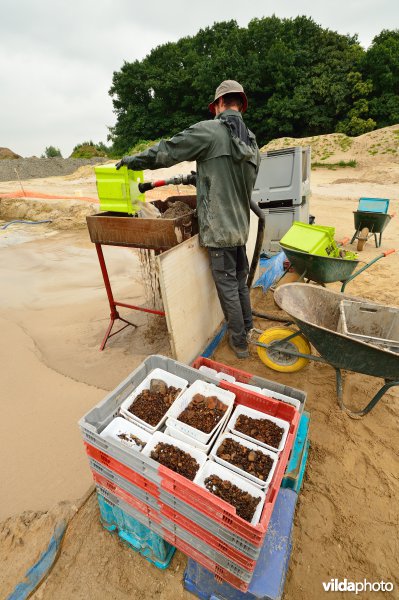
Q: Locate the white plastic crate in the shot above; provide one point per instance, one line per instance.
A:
(216, 374)
(255, 414)
(225, 377)
(262, 484)
(249, 387)
(206, 389)
(213, 468)
(121, 425)
(169, 379)
(158, 437)
(179, 435)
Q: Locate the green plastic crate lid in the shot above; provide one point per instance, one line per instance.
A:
(309, 238)
(118, 189)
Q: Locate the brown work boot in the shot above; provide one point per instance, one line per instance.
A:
(239, 351)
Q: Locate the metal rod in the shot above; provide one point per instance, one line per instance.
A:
(291, 352)
(360, 271)
(357, 414)
(148, 310)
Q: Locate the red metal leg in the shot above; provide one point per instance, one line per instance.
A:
(114, 315)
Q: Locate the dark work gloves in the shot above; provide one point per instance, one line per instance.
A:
(126, 161)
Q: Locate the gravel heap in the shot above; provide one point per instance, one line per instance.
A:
(32, 168)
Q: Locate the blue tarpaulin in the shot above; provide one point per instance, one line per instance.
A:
(39, 570)
(271, 269)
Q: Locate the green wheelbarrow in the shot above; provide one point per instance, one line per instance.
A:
(371, 218)
(325, 269)
(316, 312)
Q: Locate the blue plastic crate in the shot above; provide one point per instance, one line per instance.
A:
(269, 576)
(295, 471)
(139, 537)
(377, 205)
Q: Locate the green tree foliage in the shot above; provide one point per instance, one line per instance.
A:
(300, 78)
(381, 64)
(51, 152)
(90, 150)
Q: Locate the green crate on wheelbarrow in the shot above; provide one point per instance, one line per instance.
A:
(313, 239)
(371, 218)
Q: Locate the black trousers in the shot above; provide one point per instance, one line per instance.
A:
(230, 271)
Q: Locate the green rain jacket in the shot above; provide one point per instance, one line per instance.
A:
(228, 160)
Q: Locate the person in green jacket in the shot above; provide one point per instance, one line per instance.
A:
(228, 159)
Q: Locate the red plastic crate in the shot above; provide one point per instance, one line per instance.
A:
(126, 497)
(241, 376)
(172, 515)
(122, 470)
(220, 573)
(198, 497)
(207, 537)
(216, 508)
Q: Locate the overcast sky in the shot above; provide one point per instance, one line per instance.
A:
(57, 56)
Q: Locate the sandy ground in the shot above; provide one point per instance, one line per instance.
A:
(53, 313)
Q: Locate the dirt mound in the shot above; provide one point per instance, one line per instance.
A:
(34, 168)
(374, 147)
(23, 539)
(6, 153)
(65, 214)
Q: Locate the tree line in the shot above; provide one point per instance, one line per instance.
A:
(300, 78)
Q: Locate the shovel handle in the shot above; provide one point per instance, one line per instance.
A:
(391, 251)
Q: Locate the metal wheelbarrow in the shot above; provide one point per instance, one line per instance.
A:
(325, 269)
(316, 312)
(371, 218)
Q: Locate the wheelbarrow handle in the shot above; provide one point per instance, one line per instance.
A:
(366, 266)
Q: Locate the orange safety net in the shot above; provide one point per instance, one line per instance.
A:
(31, 194)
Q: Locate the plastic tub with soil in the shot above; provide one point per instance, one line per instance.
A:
(176, 455)
(244, 496)
(149, 403)
(126, 433)
(201, 410)
(246, 458)
(260, 428)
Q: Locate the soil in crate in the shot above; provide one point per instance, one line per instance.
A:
(253, 462)
(203, 413)
(175, 459)
(262, 430)
(151, 405)
(129, 437)
(176, 209)
(244, 503)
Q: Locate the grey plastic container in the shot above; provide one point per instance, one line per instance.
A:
(93, 422)
(123, 483)
(188, 511)
(226, 536)
(371, 323)
(136, 514)
(181, 533)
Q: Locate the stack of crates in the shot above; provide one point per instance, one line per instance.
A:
(183, 514)
(269, 576)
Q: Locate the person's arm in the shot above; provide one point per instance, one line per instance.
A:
(188, 145)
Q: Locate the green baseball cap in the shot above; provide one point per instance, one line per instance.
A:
(229, 87)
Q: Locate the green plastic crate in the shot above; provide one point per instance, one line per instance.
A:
(118, 189)
(313, 239)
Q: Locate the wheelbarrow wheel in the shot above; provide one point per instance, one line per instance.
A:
(277, 360)
(362, 239)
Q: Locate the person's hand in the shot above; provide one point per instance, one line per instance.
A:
(120, 164)
(126, 161)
